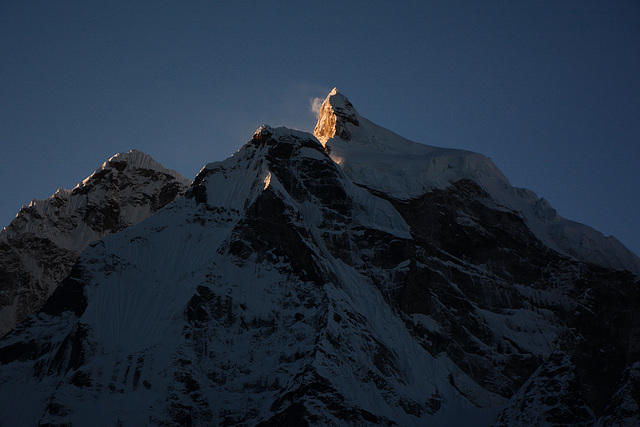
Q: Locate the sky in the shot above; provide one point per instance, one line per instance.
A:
(549, 90)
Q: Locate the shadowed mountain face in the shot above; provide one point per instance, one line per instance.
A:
(297, 285)
(552, 334)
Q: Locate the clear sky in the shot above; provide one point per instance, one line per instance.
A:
(550, 90)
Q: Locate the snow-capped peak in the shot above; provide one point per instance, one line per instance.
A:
(335, 116)
(365, 151)
(266, 131)
(381, 160)
(134, 159)
(338, 100)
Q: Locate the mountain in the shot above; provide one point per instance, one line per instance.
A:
(378, 159)
(40, 246)
(337, 280)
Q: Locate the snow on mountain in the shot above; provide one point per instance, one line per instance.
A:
(285, 288)
(238, 303)
(39, 247)
(383, 161)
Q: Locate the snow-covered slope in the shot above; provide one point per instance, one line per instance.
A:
(383, 161)
(39, 247)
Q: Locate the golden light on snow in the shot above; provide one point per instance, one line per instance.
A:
(267, 180)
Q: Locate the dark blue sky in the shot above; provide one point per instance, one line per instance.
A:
(550, 90)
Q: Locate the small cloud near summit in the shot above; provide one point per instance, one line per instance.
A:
(316, 104)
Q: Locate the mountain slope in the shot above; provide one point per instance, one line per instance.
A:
(379, 159)
(39, 247)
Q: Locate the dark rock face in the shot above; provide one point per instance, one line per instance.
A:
(624, 406)
(68, 296)
(479, 262)
(21, 289)
(552, 395)
(467, 255)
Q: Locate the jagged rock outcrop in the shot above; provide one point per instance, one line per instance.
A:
(40, 246)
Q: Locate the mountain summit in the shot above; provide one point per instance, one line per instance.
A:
(336, 113)
(383, 161)
(290, 286)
